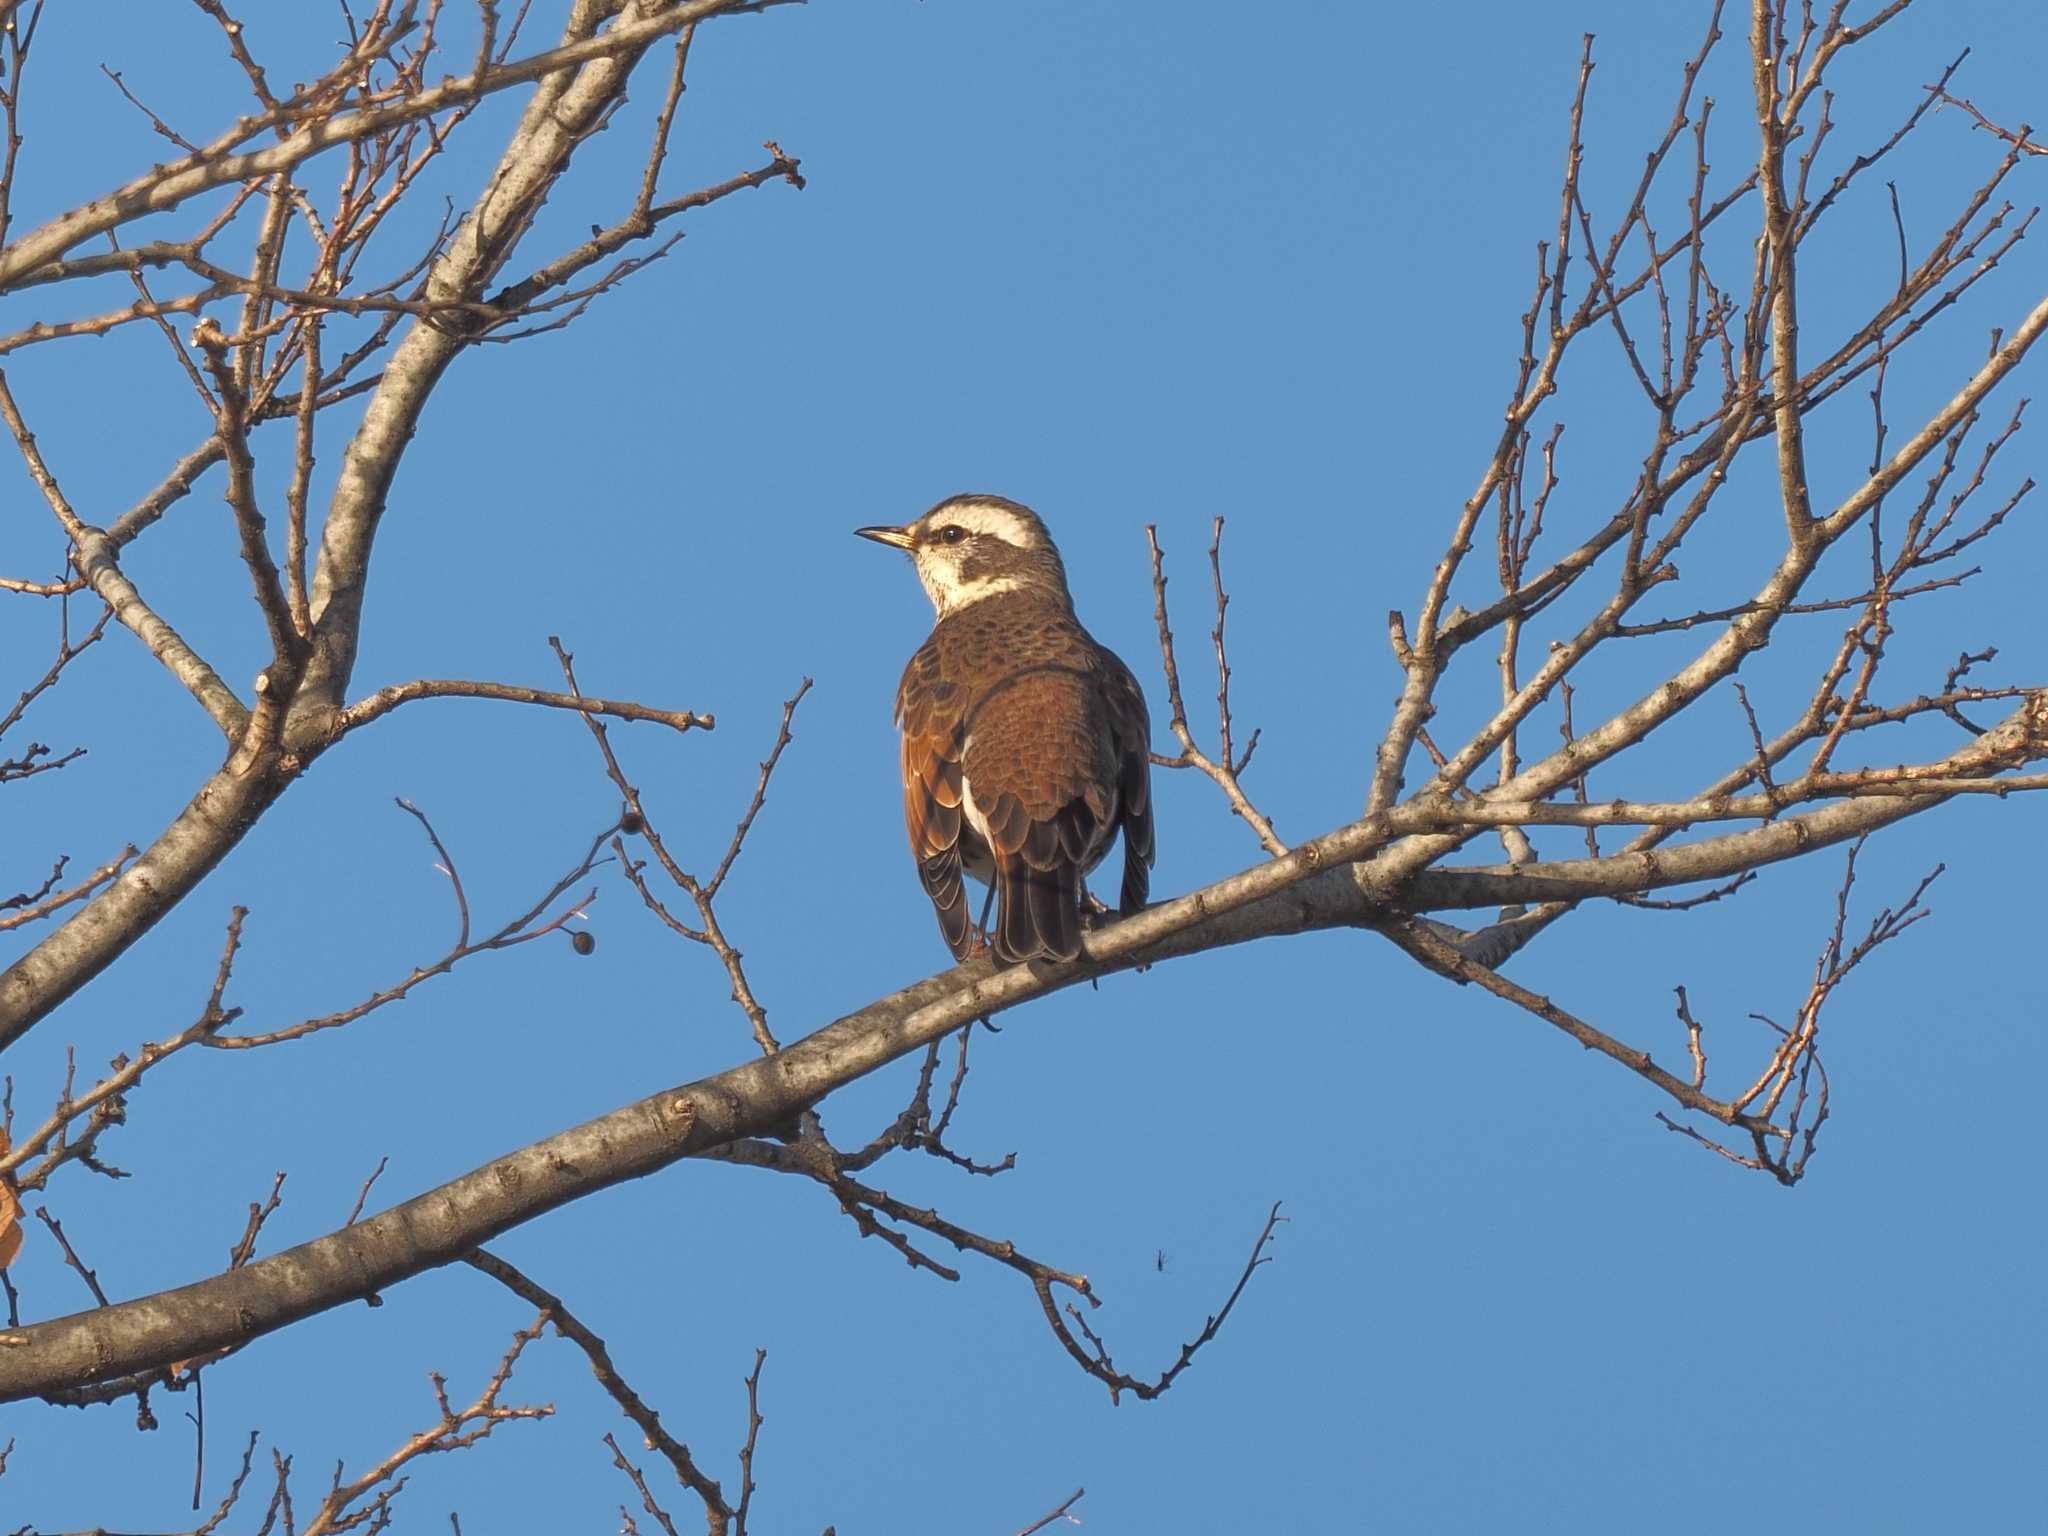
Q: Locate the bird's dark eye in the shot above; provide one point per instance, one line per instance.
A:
(952, 533)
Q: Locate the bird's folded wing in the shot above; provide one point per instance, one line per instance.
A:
(929, 710)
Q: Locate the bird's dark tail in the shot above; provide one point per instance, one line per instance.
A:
(1038, 912)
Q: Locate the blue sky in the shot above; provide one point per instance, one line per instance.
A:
(1137, 264)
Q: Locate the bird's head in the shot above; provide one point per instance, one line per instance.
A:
(971, 547)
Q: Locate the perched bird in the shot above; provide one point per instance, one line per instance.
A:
(1026, 745)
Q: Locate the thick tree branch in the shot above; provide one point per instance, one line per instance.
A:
(1305, 889)
(227, 805)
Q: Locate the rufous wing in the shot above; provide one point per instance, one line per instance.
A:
(927, 710)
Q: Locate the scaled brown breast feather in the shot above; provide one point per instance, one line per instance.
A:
(1014, 718)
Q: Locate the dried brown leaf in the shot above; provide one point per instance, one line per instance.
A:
(10, 1215)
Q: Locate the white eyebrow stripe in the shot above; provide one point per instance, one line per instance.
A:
(987, 518)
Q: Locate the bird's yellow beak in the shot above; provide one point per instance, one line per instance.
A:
(897, 537)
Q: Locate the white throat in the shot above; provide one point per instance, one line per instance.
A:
(950, 597)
